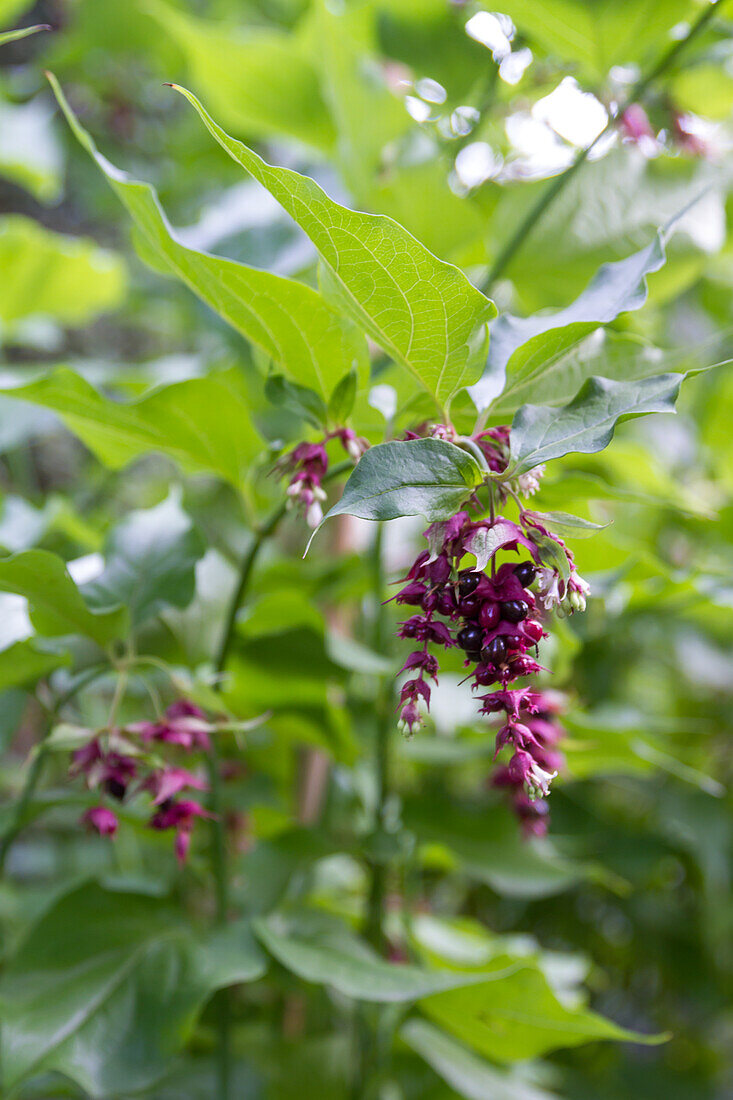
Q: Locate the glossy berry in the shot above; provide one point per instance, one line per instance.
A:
(514, 641)
(474, 655)
(513, 611)
(495, 651)
(470, 638)
(446, 602)
(468, 582)
(532, 630)
(489, 615)
(469, 607)
(525, 573)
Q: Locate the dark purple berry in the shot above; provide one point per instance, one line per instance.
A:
(525, 573)
(513, 611)
(514, 641)
(489, 615)
(474, 655)
(114, 788)
(470, 638)
(468, 582)
(446, 602)
(495, 651)
(469, 607)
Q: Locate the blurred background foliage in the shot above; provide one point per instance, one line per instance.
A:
(449, 117)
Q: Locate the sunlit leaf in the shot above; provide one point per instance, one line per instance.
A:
(45, 274)
(56, 604)
(290, 321)
(422, 311)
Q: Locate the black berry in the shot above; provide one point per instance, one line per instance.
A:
(114, 788)
(470, 638)
(474, 655)
(468, 582)
(513, 611)
(525, 573)
(469, 607)
(495, 651)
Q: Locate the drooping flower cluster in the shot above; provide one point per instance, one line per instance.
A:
(123, 763)
(531, 720)
(494, 617)
(307, 465)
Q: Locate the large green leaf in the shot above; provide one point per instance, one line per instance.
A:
(518, 1017)
(427, 477)
(150, 562)
(526, 355)
(423, 311)
(260, 80)
(202, 423)
(598, 34)
(107, 986)
(291, 322)
(56, 604)
(45, 274)
(460, 1068)
(587, 424)
(340, 960)
(24, 663)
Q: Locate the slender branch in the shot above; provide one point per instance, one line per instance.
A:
(219, 861)
(548, 196)
(36, 768)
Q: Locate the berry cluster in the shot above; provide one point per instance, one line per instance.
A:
(307, 465)
(494, 618)
(119, 764)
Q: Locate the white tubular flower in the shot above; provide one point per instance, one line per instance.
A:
(529, 483)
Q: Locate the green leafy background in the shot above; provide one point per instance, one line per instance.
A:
(191, 284)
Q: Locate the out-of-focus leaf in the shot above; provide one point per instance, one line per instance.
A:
(427, 477)
(289, 320)
(30, 153)
(97, 954)
(527, 353)
(45, 274)
(598, 34)
(460, 1068)
(421, 310)
(349, 966)
(587, 424)
(518, 1017)
(150, 561)
(260, 80)
(202, 423)
(8, 11)
(23, 663)
(56, 604)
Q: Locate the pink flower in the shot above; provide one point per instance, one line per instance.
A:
(101, 820)
(167, 782)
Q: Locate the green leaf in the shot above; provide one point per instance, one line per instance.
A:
(528, 353)
(427, 477)
(518, 1017)
(202, 423)
(340, 960)
(421, 310)
(260, 80)
(587, 424)
(23, 663)
(150, 562)
(466, 1074)
(290, 321)
(342, 398)
(55, 603)
(107, 986)
(23, 32)
(45, 274)
(597, 34)
(563, 523)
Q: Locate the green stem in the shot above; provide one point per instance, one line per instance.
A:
(219, 861)
(34, 772)
(548, 196)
